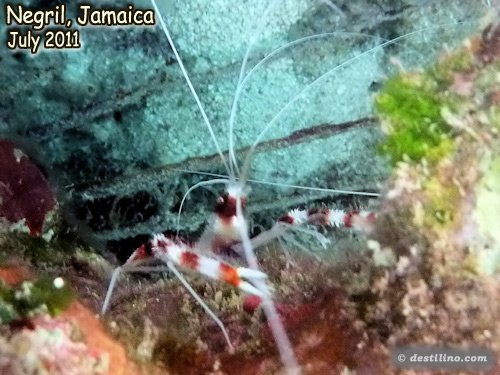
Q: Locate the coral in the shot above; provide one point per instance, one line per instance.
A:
(24, 191)
(73, 342)
(438, 222)
(486, 216)
(100, 341)
(439, 119)
(49, 348)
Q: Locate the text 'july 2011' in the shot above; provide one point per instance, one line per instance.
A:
(30, 29)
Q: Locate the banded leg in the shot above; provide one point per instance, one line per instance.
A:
(168, 251)
(296, 219)
(170, 267)
(330, 217)
(181, 254)
(131, 265)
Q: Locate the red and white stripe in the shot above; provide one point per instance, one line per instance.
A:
(224, 228)
(330, 217)
(168, 250)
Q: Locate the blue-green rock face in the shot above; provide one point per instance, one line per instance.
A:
(119, 107)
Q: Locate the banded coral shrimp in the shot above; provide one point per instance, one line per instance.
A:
(236, 190)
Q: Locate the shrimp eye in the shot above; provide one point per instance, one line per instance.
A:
(225, 206)
(220, 200)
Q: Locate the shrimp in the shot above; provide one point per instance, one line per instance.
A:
(228, 225)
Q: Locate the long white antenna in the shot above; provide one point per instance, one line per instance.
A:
(254, 37)
(191, 87)
(246, 166)
(300, 41)
(285, 185)
(282, 342)
(195, 186)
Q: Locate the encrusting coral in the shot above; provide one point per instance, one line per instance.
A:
(442, 128)
(437, 223)
(51, 348)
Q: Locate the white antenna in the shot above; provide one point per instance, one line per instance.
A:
(191, 87)
(239, 86)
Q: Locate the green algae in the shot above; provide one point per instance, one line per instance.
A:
(412, 108)
(29, 299)
(411, 105)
